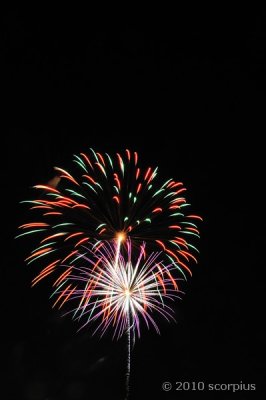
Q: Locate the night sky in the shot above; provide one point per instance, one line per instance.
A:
(187, 93)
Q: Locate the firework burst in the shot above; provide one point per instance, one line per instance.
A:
(110, 198)
(113, 290)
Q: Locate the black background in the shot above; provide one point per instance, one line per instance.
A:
(187, 93)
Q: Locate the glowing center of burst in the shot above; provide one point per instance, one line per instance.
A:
(127, 293)
(127, 300)
(121, 236)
